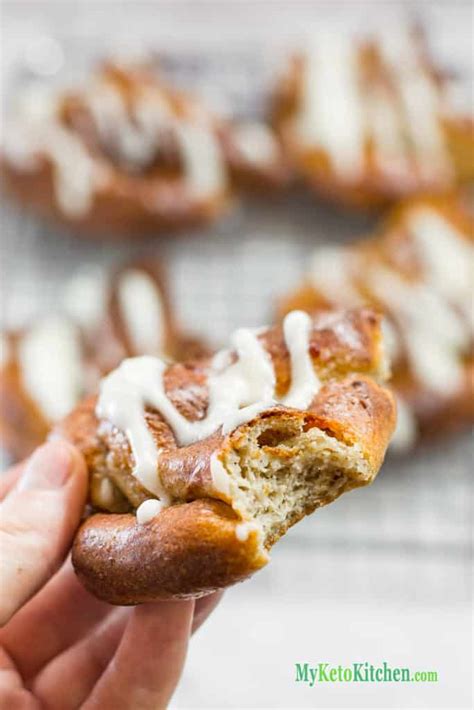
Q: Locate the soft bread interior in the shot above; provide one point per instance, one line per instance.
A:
(281, 471)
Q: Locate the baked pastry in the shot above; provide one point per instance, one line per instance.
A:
(201, 467)
(418, 269)
(369, 122)
(129, 155)
(46, 368)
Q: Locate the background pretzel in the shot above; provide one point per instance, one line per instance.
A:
(129, 155)
(47, 367)
(418, 269)
(367, 123)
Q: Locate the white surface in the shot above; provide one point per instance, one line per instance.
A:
(382, 573)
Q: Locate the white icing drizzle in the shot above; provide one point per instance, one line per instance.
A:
(256, 143)
(36, 131)
(432, 331)
(406, 430)
(238, 391)
(135, 132)
(203, 159)
(85, 297)
(331, 272)
(384, 127)
(243, 530)
(220, 477)
(132, 133)
(142, 311)
(50, 361)
(331, 116)
(447, 258)
(420, 101)
(148, 510)
(304, 381)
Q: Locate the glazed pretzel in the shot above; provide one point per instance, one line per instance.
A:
(418, 269)
(367, 123)
(129, 155)
(47, 367)
(201, 467)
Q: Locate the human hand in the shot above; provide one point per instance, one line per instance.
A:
(60, 647)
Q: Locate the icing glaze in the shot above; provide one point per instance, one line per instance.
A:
(50, 361)
(203, 160)
(142, 311)
(35, 132)
(243, 530)
(256, 143)
(148, 510)
(85, 297)
(420, 102)
(331, 271)
(406, 430)
(330, 116)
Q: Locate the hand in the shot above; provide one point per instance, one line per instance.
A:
(59, 646)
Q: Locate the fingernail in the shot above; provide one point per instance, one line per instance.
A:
(49, 467)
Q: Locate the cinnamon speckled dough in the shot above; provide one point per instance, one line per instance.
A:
(393, 247)
(379, 127)
(282, 465)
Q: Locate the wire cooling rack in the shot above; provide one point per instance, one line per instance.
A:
(406, 538)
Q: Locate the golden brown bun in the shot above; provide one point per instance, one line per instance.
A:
(296, 461)
(391, 246)
(375, 186)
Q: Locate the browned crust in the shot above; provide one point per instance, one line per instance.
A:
(188, 550)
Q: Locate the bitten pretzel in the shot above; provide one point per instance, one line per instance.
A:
(201, 467)
(418, 269)
(46, 368)
(367, 123)
(129, 155)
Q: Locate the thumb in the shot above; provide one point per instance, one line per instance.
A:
(38, 519)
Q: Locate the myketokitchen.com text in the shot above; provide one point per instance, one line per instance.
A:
(363, 672)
